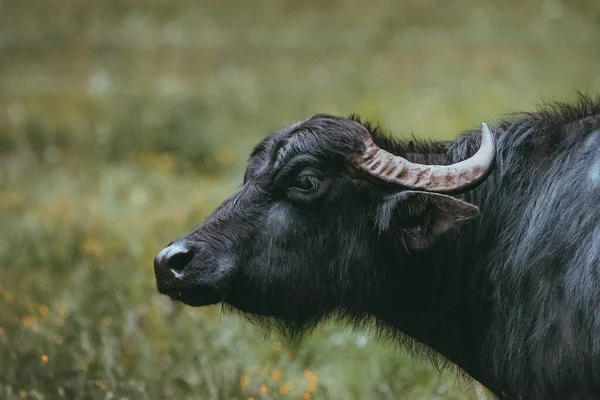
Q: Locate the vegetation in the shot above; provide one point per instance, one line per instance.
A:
(123, 124)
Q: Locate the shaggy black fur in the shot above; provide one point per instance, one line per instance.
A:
(511, 296)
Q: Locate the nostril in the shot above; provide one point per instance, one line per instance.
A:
(173, 259)
(178, 261)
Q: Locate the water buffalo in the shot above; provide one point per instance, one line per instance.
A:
(485, 248)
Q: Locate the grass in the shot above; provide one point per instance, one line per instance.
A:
(81, 318)
(122, 125)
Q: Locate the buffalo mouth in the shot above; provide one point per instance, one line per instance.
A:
(193, 296)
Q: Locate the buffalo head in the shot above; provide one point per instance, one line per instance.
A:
(307, 234)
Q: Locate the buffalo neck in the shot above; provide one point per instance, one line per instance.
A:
(436, 297)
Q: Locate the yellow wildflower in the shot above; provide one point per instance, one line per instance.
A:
(244, 379)
(29, 320)
(312, 380)
(285, 388)
(43, 310)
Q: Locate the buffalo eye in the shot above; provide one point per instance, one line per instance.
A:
(306, 186)
(306, 183)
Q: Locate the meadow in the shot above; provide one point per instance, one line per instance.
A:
(123, 124)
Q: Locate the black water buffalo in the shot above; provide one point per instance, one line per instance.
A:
(485, 248)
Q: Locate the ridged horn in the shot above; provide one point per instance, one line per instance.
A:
(431, 178)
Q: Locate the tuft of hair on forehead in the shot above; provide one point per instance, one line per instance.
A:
(260, 148)
(320, 135)
(372, 127)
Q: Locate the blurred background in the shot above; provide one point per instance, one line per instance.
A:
(124, 123)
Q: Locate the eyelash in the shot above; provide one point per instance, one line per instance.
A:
(306, 183)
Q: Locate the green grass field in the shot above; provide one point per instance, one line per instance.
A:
(123, 124)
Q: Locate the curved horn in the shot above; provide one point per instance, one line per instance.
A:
(431, 178)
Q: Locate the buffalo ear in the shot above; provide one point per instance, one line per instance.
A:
(422, 217)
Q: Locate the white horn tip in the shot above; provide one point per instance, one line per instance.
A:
(484, 127)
